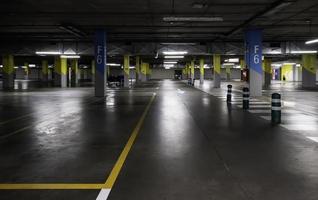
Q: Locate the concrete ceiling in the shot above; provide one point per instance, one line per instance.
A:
(142, 20)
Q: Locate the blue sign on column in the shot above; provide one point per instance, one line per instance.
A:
(100, 51)
(253, 48)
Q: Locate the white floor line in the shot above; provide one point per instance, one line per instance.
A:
(103, 194)
(315, 139)
(268, 118)
(299, 127)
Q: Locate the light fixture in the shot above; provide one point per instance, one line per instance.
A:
(193, 19)
(168, 65)
(311, 41)
(70, 56)
(276, 65)
(234, 60)
(174, 57)
(170, 62)
(132, 67)
(113, 64)
(298, 65)
(32, 65)
(175, 52)
(228, 64)
(48, 52)
(303, 52)
(289, 63)
(16, 67)
(1, 66)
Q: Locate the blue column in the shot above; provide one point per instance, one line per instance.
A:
(253, 57)
(100, 63)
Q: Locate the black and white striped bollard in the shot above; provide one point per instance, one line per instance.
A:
(229, 94)
(276, 108)
(246, 98)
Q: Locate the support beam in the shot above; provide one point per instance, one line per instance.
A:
(100, 63)
(60, 72)
(201, 70)
(8, 72)
(217, 70)
(253, 57)
(126, 70)
(45, 71)
(309, 63)
(74, 73)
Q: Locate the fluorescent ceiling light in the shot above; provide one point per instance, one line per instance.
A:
(15, 67)
(276, 65)
(132, 67)
(170, 62)
(32, 65)
(228, 64)
(113, 64)
(70, 56)
(234, 60)
(312, 41)
(303, 52)
(168, 65)
(175, 52)
(1, 66)
(298, 65)
(48, 53)
(193, 19)
(289, 63)
(174, 57)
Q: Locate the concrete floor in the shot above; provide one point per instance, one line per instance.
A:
(192, 145)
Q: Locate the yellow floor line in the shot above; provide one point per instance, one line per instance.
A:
(120, 162)
(86, 186)
(52, 186)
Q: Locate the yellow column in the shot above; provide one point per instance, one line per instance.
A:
(8, 72)
(26, 70)
(45, 70)
(267, 71)
(137, 68)
(74, 74)
(287, 72)
(217, 70)
(60, 72)
(126, 70)
(201, 70)
(93, 70)
(309, 64)
(192, 69)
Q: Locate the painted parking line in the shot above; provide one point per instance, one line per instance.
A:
(104, 187)
(121, 160)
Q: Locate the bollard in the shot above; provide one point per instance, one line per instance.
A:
(276, 108)
(229, 94)
(246, 98)
(193, 82)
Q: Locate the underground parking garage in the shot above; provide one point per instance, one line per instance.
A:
(159, 100)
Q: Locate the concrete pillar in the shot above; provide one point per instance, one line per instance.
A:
(60, 72)
(137, 68)
(287, 72)
(309, 63)
(45, 71)
(217, 70)
(242, 65)
(294, 72)
(74, 72)
(253, 58)
(126, 70)
(93, 70)
(192, 70)
(267, 72)
(8, 72)
(201, 70)
(26, 70)
(228, 72)
(100, 62)
(143, 72)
